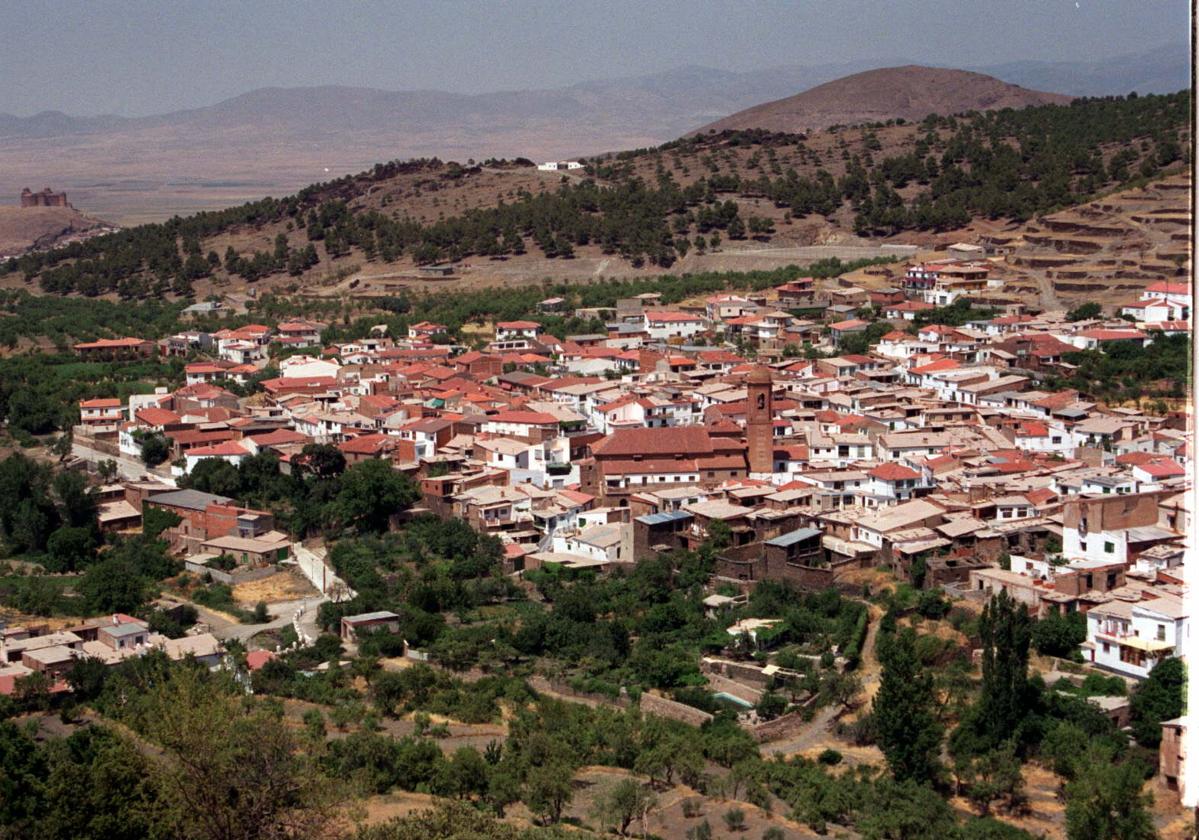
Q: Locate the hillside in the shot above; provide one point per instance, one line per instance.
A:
(274, 141)
(25, 228)
(910, 93)
(733, 201)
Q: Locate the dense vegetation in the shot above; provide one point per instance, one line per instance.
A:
(219, 755)
(1002, 164)
(1125, 370)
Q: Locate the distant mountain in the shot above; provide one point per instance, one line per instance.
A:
(1164, 69)
(272, 141)
(910, 92)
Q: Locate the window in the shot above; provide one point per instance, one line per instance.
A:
(1109, 547)
(1161, 632)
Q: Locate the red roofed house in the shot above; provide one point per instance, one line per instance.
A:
(530, 426)
(1156, 470)
(508, 330)
(109, 349)
(299, 333)
(230, 451)
(367, 447)
(892, 483)
(844, 329)
(425, 330)
(664, 324)
(1096, 338)
(1177, 293)
(1156, 310)
(906, 310)
(101, 416)
(797, 292)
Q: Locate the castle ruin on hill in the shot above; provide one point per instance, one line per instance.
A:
(45, 198)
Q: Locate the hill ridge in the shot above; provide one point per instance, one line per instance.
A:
(909, 91)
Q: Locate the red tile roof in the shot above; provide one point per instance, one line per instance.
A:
(893, 472)
(218, 450)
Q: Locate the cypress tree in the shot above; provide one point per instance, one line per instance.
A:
(1005, 629)
(905, 711)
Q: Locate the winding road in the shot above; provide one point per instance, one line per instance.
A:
(225, 629)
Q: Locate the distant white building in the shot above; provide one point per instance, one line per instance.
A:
(559, 165)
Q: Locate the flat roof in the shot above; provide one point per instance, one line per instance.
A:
(664, 517)
(379, 615)
(797, 536)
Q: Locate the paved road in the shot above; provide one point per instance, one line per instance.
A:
(129, 468)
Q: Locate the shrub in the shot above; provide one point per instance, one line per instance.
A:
(734, 819)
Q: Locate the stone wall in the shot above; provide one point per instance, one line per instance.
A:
(747, 673)
(781, 727)
(231, 578)
(652, 704)
(716, 682)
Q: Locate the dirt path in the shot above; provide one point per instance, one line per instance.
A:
(819, 732)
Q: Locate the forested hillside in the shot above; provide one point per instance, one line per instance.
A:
(651, 206)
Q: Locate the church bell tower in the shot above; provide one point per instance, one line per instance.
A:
(759, 421)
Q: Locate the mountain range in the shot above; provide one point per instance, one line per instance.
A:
(276, 140)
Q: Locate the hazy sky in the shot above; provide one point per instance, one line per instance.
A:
(132, 57)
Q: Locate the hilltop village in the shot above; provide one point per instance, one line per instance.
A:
(812, 437)
(933, 451)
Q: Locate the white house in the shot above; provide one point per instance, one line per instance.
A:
(1131, 637)
(1176, 293)
(1155, 310)
(509, 330)
(892, 483)
(663, 324)
(229, 451)
(300, 367)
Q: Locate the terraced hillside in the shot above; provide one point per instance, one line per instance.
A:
(1108, 249)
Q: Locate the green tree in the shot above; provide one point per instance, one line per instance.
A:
(463, 775)
(112, 585)
(1085, 312)
(1105, 801)
(154, 450)
(549, 788)
(894, 810)
(235, 769)
(904, 711)
(70, 549)
(1059, 635)
(1005, 630)
(323, 460)
(98, 785)
(624, 802)
(214, 475)
(1158, 698)
(991, 776)
(371, 493)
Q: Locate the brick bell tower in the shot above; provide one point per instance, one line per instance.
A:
(759, 420)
